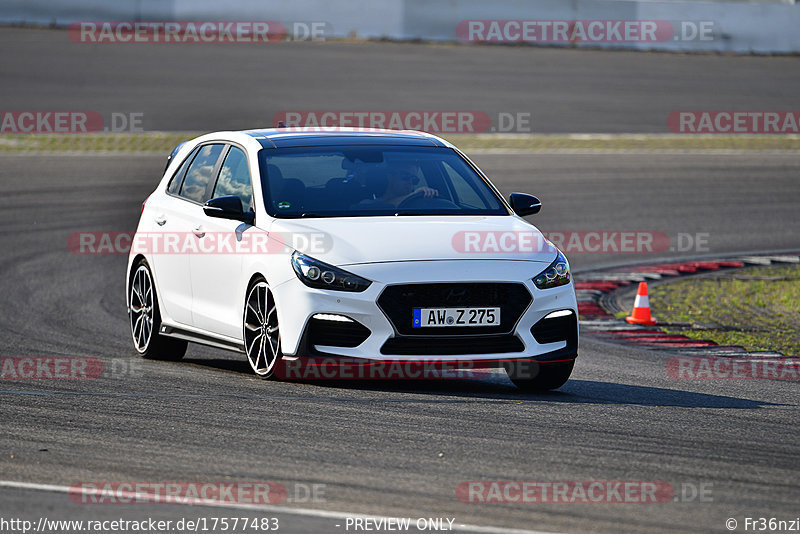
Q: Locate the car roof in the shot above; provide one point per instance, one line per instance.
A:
(303, 137)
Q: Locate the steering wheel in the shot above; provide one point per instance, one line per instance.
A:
(411, 199)
(419, 200)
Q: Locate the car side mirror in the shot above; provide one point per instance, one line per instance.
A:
(524, 204)
(228, 207)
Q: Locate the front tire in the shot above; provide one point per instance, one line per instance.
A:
(262, 335)
(145, 319)
(536, 376)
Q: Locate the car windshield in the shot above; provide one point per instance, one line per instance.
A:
(371, 181)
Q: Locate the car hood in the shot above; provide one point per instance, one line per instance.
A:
(358, 240)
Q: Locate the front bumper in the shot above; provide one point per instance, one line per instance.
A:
(297, 304)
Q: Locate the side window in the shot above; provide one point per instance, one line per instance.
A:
(175, 183)
(234, 178)
(200, 173)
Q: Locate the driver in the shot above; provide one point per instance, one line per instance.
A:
(401, 182)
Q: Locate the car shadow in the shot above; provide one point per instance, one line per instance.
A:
(573, 392)
(498, 387)
(236, 365)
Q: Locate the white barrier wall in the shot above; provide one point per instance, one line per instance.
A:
(761, 27)
(738, 26)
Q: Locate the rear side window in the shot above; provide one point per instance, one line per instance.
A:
(234, 178)
(200, 172)
(175, 184)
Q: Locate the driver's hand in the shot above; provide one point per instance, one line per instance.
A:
(428, 192)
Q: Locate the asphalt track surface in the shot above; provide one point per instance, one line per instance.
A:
(191, 87)
(389, 449)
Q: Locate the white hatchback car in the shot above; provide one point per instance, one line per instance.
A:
(360, 245)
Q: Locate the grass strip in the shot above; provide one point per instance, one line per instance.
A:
(757, 308)
(163, 142)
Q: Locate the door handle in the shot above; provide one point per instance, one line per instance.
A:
(199, 232)
(161, 220)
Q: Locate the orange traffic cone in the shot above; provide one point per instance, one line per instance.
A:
(641, 307)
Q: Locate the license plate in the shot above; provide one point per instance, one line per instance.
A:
(423, 317)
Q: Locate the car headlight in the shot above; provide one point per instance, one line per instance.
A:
(557, 274)
(320, 275)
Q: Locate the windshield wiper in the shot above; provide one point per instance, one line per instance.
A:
(405, 212)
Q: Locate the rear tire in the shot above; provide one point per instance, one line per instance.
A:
(145, 318)
(535, 376)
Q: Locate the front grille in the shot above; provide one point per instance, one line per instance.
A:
(398, 301)
(557, 329)
(336, 333)
(450, 346)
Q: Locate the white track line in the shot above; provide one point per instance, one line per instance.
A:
(307, 512)
(794, 153)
